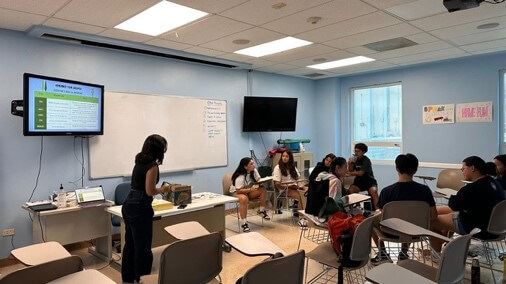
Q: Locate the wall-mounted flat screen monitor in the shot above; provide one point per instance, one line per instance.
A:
(269, 114)
(54, 106)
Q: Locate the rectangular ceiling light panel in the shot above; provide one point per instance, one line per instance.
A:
(342, 63)
(272, 47)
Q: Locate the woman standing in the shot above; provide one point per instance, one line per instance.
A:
(244, 188)
(286, 177)
(137, 211)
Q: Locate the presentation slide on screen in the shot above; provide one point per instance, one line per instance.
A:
(62, 106)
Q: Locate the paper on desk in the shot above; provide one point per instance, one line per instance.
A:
(446, 191)
(39, 202)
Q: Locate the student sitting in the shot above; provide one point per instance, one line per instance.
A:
(360, 166)
(286, 176)
(500, 163)
(405, 189)
(244, 188)
(323, 166)
(326, 184)
(472, 205)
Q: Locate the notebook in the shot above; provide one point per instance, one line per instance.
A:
(90, 196)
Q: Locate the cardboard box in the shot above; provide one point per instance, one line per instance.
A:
(181, 194)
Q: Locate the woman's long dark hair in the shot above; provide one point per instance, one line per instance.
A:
(329, 155)
(288, 168)
(241, 170)
(152, 151)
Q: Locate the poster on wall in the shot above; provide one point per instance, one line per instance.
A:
(438, 114)
(474, 112)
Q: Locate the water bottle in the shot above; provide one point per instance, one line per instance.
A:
(475, 271)
(62, 197)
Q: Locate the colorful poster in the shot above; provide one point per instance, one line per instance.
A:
(474, 112)
(438, 114)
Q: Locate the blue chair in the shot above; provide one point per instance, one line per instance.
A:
(120, 194)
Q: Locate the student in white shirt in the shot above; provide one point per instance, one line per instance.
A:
(286, 176)
(244, 188)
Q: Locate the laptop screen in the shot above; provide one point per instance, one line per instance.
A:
(90, 194)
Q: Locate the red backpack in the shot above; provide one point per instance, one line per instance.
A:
(341, 230)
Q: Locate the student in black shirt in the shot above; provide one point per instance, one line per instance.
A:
(360, 166)
(472, 205)
(137, 211)
(323, 166)
(405, 189)
(500, 163)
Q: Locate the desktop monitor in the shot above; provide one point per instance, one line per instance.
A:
(54, 106)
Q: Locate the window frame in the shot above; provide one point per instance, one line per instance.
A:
(370, 143)
(502, 105)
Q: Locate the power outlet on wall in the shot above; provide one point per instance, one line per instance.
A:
(7, 232)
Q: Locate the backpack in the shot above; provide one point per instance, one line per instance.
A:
(330, 207)
(341, 230)
(316, 194)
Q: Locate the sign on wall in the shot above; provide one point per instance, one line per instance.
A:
(438, 114)
(474, 112)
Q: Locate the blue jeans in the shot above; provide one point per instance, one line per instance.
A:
(138, 216)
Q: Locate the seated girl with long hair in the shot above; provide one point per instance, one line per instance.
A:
(286, 177)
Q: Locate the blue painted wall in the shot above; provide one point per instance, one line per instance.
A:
(127, 72)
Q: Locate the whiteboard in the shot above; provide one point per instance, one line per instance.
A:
(195, 129)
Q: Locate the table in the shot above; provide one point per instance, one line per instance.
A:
(84, 277)
(186, 230)
(40, 253)
(393, 274)
(410, 229)
(75, 224)
(206, 208)
(354, 198)
(253, 244)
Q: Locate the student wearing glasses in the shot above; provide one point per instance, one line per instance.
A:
(360, 167)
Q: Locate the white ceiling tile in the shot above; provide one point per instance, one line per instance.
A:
(336, 55)
(360, 67)
(360, 50)
(206, 30)
(422, 38)
(438, 45)
(203, 51)
(102, 13)
(479, 37)
(427, 56)
(236, 57)
(256, 36)
(434, 59)
(19, 21)
(497, 49)
(444, 20)
(400, 30)
(300, 52)
(331, 12)
(168, 44)
(125, 35)
(73, 26)
(258, 63)
(384, 4)
(40, 7)
(495, 44)
(259, 12)
(304, 71)
(418, 9)
(353, 26)
(467, 29)
(209, 6)
(276, 68)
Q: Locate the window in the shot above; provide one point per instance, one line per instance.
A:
(377, 120)
(503, 103)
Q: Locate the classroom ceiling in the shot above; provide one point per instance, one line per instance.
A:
(344, 29)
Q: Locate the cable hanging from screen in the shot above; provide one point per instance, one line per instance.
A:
(40, 166)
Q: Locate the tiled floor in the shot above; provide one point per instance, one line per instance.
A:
(283, 232)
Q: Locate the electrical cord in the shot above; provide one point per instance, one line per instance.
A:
(40, 167)
(494, 1)
(41, 230)
(12, 242)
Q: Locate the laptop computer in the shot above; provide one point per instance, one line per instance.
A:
(90, 196)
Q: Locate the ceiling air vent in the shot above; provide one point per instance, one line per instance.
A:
(390, 44)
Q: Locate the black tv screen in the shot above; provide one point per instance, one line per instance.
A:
(269, 114)
(54, 106)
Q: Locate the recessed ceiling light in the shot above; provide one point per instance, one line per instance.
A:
(160, 18)
(273, 47)
(278, 6)
(241, 41)
(342, 62)
(314, 20)
(487, 26)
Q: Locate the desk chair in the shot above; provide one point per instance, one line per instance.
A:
(415, 212)
(360, 250)
(120, 194)
(451, 266)
(496, 226)
(284, 269)
(347, 182)
(40, 253)
(450, 178)
(312, 229)
(196, 260)
(44, 272)
(226, 183)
